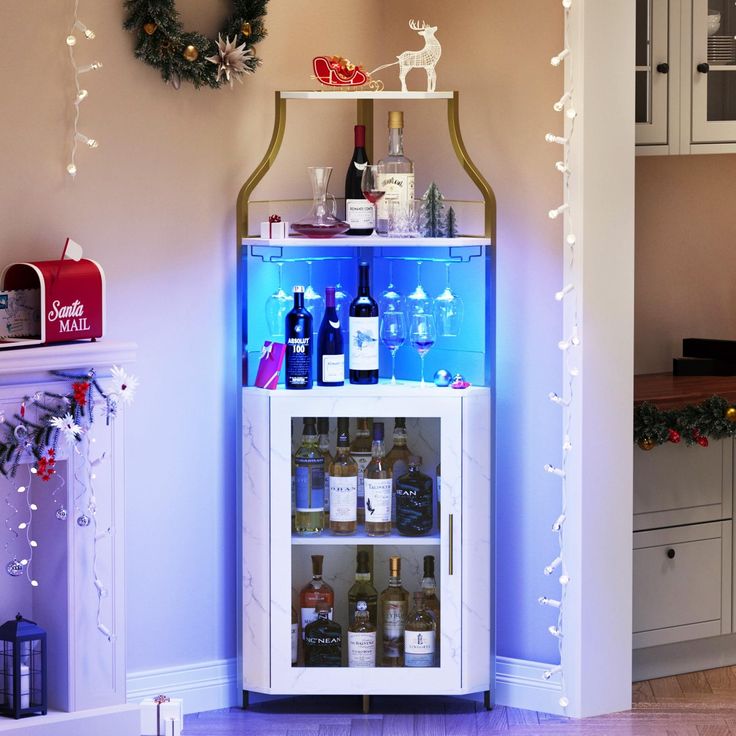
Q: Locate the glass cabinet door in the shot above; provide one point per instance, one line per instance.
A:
(652, 72)
(714, 71)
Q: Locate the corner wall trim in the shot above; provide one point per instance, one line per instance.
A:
(201, 685)
(520, 684)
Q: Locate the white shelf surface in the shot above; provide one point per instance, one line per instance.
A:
(385, 94)
(360, 537)
(384, 389)
(370, 241)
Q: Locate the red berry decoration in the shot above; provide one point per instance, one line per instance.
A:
(674, 436)
(80, 392)
(702, 441)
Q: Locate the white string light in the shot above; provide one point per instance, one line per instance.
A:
(553, 566)
(557, 60)
(562, 167)
(552, 138)
(551, 602)
(552, 470)
(562, 293)
(559, 106)
(555, 399)
(81, 94)
(552, 671)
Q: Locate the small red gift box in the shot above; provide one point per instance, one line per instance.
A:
(272, 358)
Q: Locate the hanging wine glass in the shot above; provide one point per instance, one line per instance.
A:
(393, 336)
(277, 307)
(372, 191)
(313, 301)
(449, 309)
(390, 300)
(422, 334)
(342, 300)
(418, 302)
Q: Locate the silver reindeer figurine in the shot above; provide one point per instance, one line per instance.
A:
(425, 58)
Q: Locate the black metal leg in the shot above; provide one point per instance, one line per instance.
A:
(246, 699)
(487, 700)
(366, 704)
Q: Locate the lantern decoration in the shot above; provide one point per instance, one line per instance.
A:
(22, 668)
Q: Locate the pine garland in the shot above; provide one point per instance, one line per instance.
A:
(162, 42)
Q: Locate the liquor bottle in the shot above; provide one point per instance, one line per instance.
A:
(294, 636)
(323, 432)
(362, 638)
(330, 350)
(397, 459)
(414, 501)
(323, 640)
(397, 178)
(439, 488)
(394, 605)
(363, 590)
(309, 479)
(343, 484)
(419, 635)
(361, 452)
(315, 592)
(377, 485)
(298, 330)
(359, 212)
(431, 601)
(363, 332)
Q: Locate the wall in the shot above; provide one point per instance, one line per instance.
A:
(155, 204)
(685, 232)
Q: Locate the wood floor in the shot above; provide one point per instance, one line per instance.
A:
(698, 704)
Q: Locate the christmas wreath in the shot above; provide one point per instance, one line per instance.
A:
(190, 56)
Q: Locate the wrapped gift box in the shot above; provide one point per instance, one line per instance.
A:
(278, 229)
(272, 358)
(162, 717)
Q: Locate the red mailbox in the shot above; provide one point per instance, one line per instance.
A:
(51, 301)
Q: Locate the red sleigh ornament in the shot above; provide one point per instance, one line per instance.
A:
(336, 71)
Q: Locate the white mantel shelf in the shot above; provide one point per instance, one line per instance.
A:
(386, 94)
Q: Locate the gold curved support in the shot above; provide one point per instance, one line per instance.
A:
(279, 125)
(453, 119)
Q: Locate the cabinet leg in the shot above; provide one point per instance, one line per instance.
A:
(246, 699)
(487, 700)
(366, 704)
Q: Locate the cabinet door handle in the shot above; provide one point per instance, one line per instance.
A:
(663, 68)
(671, 553)
(703, 68)
(451, 542)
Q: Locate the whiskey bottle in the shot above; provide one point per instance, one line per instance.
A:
(394, 605)
(314, 593)
(361, 452)
(323, 641)
(362, 638)
(309, 472)
(343, 484)
(377, 485)
(397, 459)
(419, 635)
(414, 501)
(363, 590)
(431, 601)
(323, 432)
(294, 636)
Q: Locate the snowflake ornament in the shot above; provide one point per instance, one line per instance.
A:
(230, 59)
(124, 385)
(68, 427)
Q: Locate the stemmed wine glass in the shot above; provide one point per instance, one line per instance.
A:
(369, 185)
(313, 301)
(277, 306)
(449, 309)
(393, 336)
(390, 300)
(423, 334)
(342, 300)
(418, 302)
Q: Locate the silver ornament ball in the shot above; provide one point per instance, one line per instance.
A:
(61, 513)
(83, 520)
(442, 378)
(14, 568)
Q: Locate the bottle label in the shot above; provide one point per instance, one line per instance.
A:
(362, 649)
(414, 507)
(333, 368)
(294, 642)
(378, 499)
(399, 188)
(359, 214)
(343, 499)
(299, 362)
(364, 343)
(310, 614)
(362, 459)
(418, 648)
(394, 623)
(310, 484)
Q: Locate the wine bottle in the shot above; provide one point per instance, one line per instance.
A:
(363, 330)
(397, 177)
(359, 212)
(298, 344)
(330, 350)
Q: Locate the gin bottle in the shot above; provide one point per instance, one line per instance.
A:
(343, 484)
(363, 590)
(397, 179)
(414, 501)
(316, 592)
(419, 635)
(362, 638)
(309, 480)
(323, 641)
(378, 487)
(394, 605)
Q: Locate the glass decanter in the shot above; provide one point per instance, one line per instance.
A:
(321, 222)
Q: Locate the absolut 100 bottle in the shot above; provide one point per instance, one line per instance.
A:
(298, 330)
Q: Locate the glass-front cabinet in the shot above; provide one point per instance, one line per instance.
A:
(343, 591)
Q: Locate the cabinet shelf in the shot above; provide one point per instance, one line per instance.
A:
(361, 538)
(382, 390)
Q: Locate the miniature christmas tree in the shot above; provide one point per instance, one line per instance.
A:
(432, 212)
(451, 224)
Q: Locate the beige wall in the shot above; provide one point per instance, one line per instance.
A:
(685, 263)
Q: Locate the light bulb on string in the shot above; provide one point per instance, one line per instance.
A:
(552, 470)
(555, 631)
(567, 445)
(562, 293)
(559, 58)
(555, 213)
(552, 138)
(71, 40)
(81, 95)
(33, 543)
(571, 114)
(559, 521)
(555, 399)
(551, 602)
(93, 67)
(22, 525)
(89, 142)
(559, 106)
(89, 34)
(553, 566)
(547, 674)
(563, 168)
(567, 4)
(21, 489)
(564, 580)
(564, 702)
(34, 583)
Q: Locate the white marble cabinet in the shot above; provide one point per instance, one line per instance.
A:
(451, 426)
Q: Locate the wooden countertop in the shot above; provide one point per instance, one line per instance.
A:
(666, 391)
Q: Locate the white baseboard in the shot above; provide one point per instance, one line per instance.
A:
(520, 684)
(202, 686)
(684, 656)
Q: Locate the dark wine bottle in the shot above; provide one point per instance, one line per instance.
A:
(298, 331)
(359, 212)
(363, 330)
(330, 350)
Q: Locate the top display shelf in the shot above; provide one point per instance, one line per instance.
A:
(366, 95)
(374, 241)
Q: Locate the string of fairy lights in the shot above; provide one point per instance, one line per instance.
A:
(81, 93)
(567, 345)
